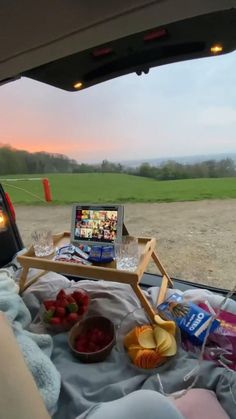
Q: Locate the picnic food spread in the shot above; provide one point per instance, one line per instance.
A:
(148, 345)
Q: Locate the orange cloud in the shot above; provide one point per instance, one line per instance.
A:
(72, 148)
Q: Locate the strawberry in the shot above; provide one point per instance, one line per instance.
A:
(85, 300)
(60, 312)
(81, 343)
(80, 347)
(78, 295)
(48, 304)
(61, 295)
(92, 347)
(48, 314)
(70, 299)
(82, 339)
(98, 336)
(72, 317)
(81, 296)
(55, 320)
(72, 307)
(62, 303)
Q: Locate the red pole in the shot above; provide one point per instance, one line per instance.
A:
(47, 190)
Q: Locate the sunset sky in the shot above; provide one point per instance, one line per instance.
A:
(177, 110)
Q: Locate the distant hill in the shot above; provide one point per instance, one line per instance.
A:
(14, 161)
(183, 159)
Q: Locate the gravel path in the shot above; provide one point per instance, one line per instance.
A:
(195, 240)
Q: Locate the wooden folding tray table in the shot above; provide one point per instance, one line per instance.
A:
(107, 272)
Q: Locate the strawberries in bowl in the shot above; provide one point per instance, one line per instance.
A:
(92, 339)
(60, 314)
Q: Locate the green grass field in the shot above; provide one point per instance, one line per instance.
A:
(99, 187)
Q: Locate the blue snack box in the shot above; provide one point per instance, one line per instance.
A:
(107, 253)
(101, 254)
(190, 318)
(95, 254)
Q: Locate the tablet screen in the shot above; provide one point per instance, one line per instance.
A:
(96, 223)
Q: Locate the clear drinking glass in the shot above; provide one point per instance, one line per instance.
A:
(126, 254)
(42, 243)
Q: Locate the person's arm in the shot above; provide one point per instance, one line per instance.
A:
(19, 396)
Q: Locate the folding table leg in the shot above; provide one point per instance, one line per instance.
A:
(33, 280)
(150, 311)
(166, 280)
(23, 278)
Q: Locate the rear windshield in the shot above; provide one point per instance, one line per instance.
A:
(162, 144)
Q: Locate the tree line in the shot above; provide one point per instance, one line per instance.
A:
(22, 162)
(169, 170)
(172, 170)
(14, 161)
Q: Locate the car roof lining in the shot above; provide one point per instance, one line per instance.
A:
(178, 41)
(41, 32)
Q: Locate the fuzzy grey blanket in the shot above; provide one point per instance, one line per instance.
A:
(36, 348)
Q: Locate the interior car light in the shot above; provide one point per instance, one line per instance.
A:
(216, 49)
(78, 85)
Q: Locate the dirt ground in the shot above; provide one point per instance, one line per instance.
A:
(195, 240)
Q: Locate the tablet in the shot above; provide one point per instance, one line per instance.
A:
(96, 224)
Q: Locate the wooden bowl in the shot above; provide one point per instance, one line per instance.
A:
(83, 327)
